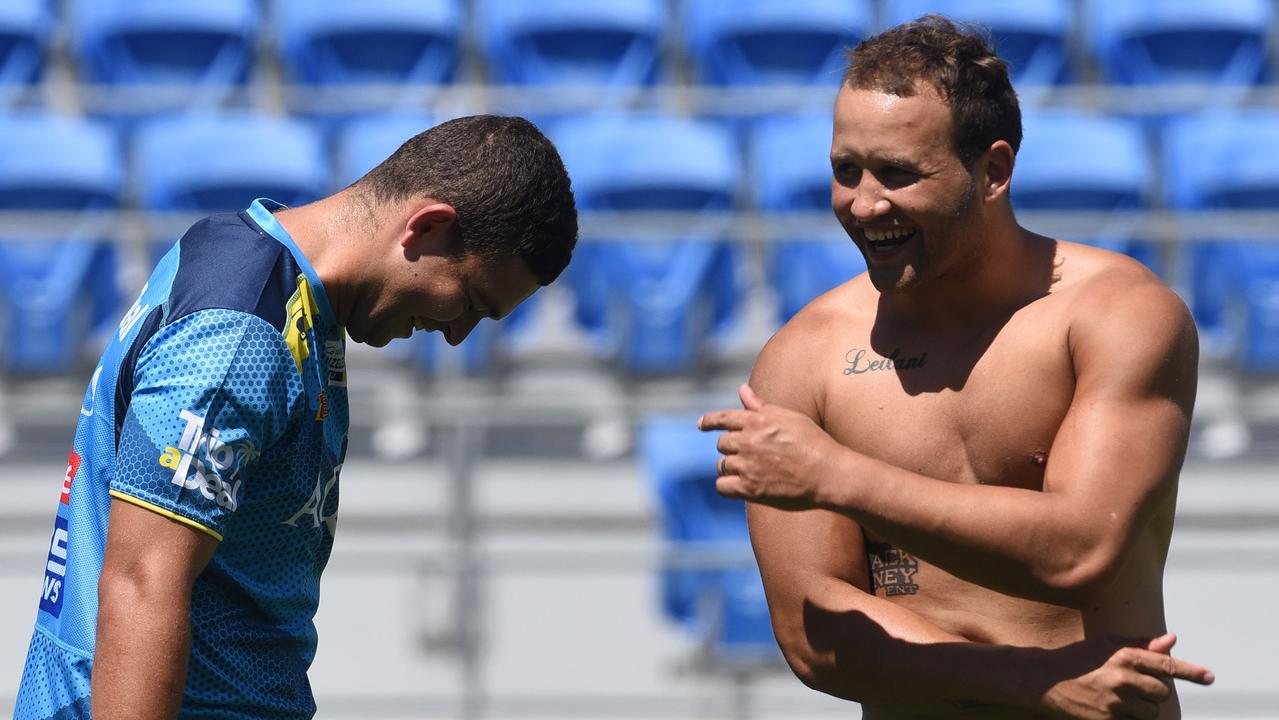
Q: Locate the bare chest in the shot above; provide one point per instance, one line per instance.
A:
(984, 410)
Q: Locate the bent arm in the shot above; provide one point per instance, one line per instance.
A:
(1114, 462)
(144, 613)
(841, 640)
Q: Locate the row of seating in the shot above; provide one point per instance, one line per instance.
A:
(654, 305)
(616, 42)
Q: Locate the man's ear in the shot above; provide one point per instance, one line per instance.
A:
(1000, 160)
(428, 229)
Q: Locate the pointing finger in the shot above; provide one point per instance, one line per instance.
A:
(723, 420)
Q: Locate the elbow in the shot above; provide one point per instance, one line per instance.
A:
(816, 669)
(1076, 584)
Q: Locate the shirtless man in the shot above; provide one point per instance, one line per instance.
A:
(962, 465)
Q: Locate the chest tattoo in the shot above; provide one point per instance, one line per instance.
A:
(860, 361)
(892, 569)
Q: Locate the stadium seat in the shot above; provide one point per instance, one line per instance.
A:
(724, 607)
(653, 303)
(1226, 161)
(790, 157)
(774, 42)
(1076, 161)
(207, 163)
(409, 45)
(612, 44)
(363, 144)
(1032, 35)
(1169, 42)
(160, 55)
(55, 292)
(25, 27)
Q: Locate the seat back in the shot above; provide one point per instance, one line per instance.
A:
(614, 43)
(328, 42)
(210, 163)
(1032, 35)
(653, 300)
(724, 605)
(25, 27)
(1168, 42)
(774, 42)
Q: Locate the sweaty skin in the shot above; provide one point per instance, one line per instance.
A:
(983, 433)
(982, 410)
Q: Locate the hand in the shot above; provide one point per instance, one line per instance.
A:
(1132, 682)
(771, 455)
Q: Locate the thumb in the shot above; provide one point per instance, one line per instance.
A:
(1162, 644)
(750, 400)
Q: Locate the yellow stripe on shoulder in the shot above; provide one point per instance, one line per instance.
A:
(166, 513)
(301, 311)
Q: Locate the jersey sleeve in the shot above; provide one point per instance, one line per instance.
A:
(212, 390)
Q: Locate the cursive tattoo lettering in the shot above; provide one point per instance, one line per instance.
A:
(859, 363)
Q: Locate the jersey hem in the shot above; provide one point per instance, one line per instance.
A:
(166, 513)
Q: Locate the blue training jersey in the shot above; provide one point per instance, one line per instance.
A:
(220, 403)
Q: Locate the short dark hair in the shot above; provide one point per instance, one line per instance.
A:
(503, 177)
(958, 60)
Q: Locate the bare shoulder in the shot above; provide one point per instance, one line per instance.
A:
(789, 368)
(1119, 308)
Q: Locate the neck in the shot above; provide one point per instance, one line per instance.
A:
(1015, 267)
(333, 237)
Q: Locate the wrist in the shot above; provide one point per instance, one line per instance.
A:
(835, 478)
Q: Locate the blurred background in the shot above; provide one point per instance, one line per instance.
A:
(529, 528)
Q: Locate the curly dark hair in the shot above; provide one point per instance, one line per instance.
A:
(956, 59)
(503, 177)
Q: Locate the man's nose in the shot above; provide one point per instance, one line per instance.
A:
(868, 200)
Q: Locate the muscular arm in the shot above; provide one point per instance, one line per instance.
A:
(1114, 461)
(144, 613)
(841, 639)
(836, 636)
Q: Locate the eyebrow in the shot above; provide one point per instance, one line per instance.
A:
(901, 162)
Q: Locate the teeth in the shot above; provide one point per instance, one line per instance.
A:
(884, 235)
(418, 324)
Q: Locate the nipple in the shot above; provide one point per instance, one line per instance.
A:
(1040, 457)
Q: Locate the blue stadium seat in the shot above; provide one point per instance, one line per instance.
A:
(1032, 35)
(790, 157)
(364, 143)
(24, 33)
(162, 55)
(723, 606)
(1223, 161)
(1076, 161)
(207, 163)
(55, 292)
(653, 303)
(328, 44)
(614, 43)
(1166, 42)
(774, 42)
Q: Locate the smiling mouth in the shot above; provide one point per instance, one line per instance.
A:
(886, 241)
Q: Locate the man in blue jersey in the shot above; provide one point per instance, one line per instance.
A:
(201, 492)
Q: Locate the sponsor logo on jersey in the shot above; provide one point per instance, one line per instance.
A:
(55, 569)
(335, 355)
(323, 412)
(203, 462)
(315, 506)
(73, 467)
(135, 313)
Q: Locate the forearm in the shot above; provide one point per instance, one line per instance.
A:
(967, 530)
(859, 647)
(142, 651)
